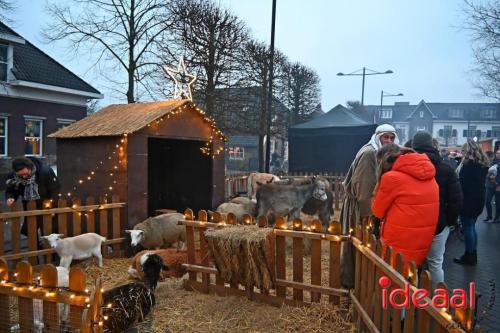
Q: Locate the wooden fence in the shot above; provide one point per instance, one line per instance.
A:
(370, 266)
(292, 282)
(31, 302)
(237, 185)
(68, 218)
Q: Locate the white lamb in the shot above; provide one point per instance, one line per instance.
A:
(78, 247)
(159, 232)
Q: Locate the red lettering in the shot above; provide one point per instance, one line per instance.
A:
(472, 295)
(461, 297)
(440, 294)
(419, 295)
(405, 295)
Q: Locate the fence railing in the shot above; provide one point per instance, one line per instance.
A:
(32, 302)
(292, 282)
(68, 218)
(236, 185)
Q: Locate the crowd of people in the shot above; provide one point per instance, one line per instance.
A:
(414, 194)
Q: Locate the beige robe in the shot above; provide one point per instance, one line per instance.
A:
(359, 184)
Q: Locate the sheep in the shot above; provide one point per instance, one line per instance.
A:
(171, 258)
(254, 179)
(149, 266)
(241, 200)
(159, 231)
(238, 209)
(128, 304)
(78, 247)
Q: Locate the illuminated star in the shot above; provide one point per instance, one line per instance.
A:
(182, 88)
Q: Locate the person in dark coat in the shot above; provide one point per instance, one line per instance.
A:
(472, 174)
(31, 180)
(490, 185)
(450, 202)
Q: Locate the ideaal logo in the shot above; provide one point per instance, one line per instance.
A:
(441, 298)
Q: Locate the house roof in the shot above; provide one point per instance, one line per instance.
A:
(119, 119)
(243, 141)
(440, 111)
(339, 116)
(32, 65)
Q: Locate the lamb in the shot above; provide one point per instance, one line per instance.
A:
(159, 232)
(78, 247)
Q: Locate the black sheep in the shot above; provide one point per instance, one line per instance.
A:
(152, 265)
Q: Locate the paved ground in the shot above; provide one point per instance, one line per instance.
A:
(488, 269)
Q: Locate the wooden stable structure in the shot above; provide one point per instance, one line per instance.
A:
(29, 300)
(295, 288)
(158, 155)
(71, 218)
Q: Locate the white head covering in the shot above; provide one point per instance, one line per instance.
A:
(381, 130)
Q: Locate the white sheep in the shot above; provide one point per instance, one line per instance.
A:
(78, 247)
(159, 231)
(238, 209)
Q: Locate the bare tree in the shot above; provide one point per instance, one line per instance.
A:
(210, 39)
(255, 61)
(302, 92)
(120, 33)
(484, 23)
(6, 6)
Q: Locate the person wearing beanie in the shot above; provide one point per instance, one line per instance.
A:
(450, 203)
(359, 184)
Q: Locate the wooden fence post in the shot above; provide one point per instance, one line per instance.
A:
(48, 280)
(280, 257)
(24, 273)
(5, 323)
(32, 227)
(335, 229)
(191, 256)
(386, 313)
(62, 221)
(396, 313)
(316, 226)
(298, 260)
(205, 277)
(410, 314)
(117, 226)
(90, 219)
(77, 217)
(77, 283)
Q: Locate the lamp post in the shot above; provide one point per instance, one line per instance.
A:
(363, 74)
(382, 95)
(267, 160)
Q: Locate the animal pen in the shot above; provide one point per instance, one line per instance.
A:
(322, 283)
(29, 297)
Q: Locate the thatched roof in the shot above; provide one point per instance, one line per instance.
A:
(119, 119)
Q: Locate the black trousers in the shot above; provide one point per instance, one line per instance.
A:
(497, 204)
(490, 193)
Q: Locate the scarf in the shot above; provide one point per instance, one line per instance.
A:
(30, 185)
(381, 130)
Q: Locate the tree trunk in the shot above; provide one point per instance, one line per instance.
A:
(261, 153)
(131, 60)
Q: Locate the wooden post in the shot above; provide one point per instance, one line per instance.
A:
(437, 327)
(90, 221)
(337, 192)
(280, 257)
(189, 215)
(370, 288)
(316, 260)
(410, 314)
(32, 231)
(103, 229)
(5, 323)
(335, 229)
(205, 277)
(77, 217)
(386, 314)
(377, 314)
(62, 221)
(117, 226)
(396, 313)
(423, 317)
(25, 305)
(298, 261)
(50, 310)
(47, 230)
(77, 284)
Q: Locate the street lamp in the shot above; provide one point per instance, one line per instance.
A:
(382, 95)
(364, 73)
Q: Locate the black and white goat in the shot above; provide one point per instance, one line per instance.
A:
(130, 303)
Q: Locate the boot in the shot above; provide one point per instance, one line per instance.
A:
(468, 259)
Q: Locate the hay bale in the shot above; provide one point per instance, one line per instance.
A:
(243, 254)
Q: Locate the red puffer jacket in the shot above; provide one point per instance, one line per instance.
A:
(407, 201)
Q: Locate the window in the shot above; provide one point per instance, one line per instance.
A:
(33, 137)
(421, 128)
(456, 113)
(472, 132)
(3, 136)
(401, 132)
(488, 114)
(421, 114)
(61, 123)
(495, 131)
(236, 153)
(447, 131)
(3, 62)
(386, 114)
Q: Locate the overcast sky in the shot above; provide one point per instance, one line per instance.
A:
(421, 41)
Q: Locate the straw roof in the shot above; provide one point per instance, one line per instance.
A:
(119, 119)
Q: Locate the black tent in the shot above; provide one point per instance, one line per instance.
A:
(329, 142)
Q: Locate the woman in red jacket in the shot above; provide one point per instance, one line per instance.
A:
(407, 202)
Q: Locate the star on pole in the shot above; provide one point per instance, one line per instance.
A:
(182, 88)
